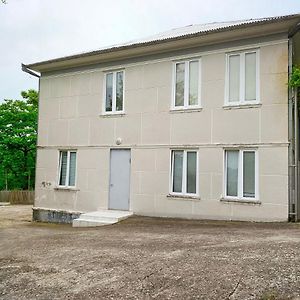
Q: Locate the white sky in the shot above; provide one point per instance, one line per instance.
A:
(34, 30)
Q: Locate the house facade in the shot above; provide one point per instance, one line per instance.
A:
(191, 124)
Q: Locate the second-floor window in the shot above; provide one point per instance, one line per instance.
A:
(114, 92)
(187, 84)
(242, 78)
(67, 168)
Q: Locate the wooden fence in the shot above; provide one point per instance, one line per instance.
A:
(17, 197)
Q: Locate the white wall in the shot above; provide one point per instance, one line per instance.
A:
(70, 117)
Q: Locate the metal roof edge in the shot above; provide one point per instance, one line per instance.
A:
(247, 23)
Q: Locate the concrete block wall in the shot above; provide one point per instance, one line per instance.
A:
(71, 118)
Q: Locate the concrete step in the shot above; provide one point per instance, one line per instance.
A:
(85, 222)
(109, 215)
(100, 218)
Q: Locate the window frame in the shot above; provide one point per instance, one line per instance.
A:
(114, 87)
(68, 169)
(242, 85)
(184, 173)
(240, 175)
(186, 105)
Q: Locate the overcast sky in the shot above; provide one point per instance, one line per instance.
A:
(34, 30)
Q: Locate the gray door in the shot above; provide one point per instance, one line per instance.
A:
(119, 185)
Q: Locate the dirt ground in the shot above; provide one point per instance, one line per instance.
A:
(145, 258)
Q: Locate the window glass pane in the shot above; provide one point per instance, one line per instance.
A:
(72, 168)
(234, 78)
(232, 172)
(119, 91)
(109, 92)
(193, 82)
(179, 94)
(250, 76)
(63, 167)
(177, 171)
(191, 172)
(249, 174)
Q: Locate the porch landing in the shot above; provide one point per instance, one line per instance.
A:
(100, 218)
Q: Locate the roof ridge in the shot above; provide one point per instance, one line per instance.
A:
(235, 21)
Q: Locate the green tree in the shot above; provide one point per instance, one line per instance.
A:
(18, 135)
(294, 80)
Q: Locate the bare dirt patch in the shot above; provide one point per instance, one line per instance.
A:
(15, 214)
(146, 258)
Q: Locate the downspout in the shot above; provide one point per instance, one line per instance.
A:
(293, 128)
(296, 139)
(292, 182)
(291, 163)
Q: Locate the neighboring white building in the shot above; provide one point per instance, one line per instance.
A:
(192, 123)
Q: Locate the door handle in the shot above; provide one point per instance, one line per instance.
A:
(111, 185)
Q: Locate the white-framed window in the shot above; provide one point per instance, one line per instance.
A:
(67, 168)
(187, 84)
(184, 172)
(241, 174)
(114, 92)
(242, 78)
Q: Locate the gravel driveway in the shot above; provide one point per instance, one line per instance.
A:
(145, 258)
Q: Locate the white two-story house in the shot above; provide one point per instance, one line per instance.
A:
(196, 123)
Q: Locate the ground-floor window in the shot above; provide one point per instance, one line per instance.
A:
(241, 174)
(67, 168)
(184, 172)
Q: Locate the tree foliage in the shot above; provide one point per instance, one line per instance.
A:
(295, 77)
(18, 135)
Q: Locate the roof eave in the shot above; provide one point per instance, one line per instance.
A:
(158, 46)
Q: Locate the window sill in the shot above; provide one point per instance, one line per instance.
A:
(242, 106)
(66, 188)
(240, 201)
(185, 110)
(184, 197)
(112, 115)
